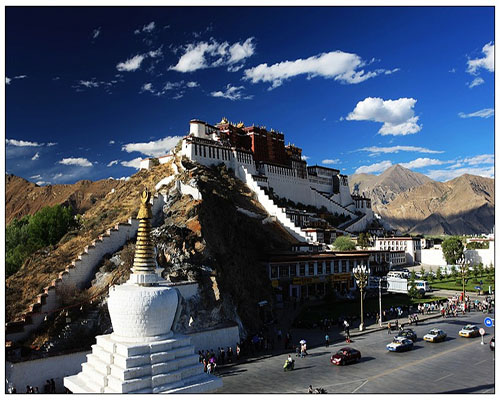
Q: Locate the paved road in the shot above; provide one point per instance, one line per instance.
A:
(458, 365)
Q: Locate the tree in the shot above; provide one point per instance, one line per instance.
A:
(413, 292)
(364, 240)
(454, 272)
(422, 271)
(343, 243)
(439, 275)
(453, 249)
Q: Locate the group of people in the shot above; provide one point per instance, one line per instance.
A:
(210, 359)
(301, 350)
(49, 387)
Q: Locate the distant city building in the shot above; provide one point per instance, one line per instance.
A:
(410, 245)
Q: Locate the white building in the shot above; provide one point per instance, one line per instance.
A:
(411, 246)
(289, 178)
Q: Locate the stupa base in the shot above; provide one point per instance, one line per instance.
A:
(164, 366)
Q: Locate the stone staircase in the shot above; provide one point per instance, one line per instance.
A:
(78, 273)
(275, 211)
(345, 210)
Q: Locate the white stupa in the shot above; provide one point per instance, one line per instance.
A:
(142, 355)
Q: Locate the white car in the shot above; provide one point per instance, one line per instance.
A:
(469, 331)
(400, 343)
(435, 335)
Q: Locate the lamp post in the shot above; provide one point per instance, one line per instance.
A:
(464, 269)
(380, 301)
(361, 273)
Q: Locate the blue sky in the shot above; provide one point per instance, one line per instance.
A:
(91, 90)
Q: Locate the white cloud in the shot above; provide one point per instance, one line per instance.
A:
(111, 142)
(373, 168)
(89, 84)
(422, 162)
(484, 113)
(111, 163)
(213, 54)
(147, 87)
(81, 162)
(132, 64)
(231, 93)
(22, 143)
(8, 81)
(42, 183)
(36, 156)
(96, 33)
(328, 161)
(179, 86)
(476, 82)
(397, 115)
(192, 84)
(135, 163)
(447, 174)
(487, 62)
(156, 53)
(50, 144)
(155, 148)
(146, 28)
(338, 65)
(36, 176)
(397, 149)
(480, 159)
(305, 158)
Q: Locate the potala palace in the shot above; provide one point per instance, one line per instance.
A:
(261, 159)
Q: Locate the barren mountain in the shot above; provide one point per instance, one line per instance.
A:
(464, 205)
(26, 198)
(382, 189)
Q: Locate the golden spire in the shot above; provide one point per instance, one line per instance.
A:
(223, 120)
(144, 259)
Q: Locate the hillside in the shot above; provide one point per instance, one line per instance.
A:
(382, 189)
(464, 205)
(217, 241)
(26, 198)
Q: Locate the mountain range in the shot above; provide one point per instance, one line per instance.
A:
(413, 203)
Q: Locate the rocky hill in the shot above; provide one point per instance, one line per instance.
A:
(382, 189)
(218, 241)
(26, 198)
(464, 205)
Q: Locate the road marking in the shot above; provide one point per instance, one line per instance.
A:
(480, 362)
(344, 383)
(360, 386)
(390, 371)
(446, 376)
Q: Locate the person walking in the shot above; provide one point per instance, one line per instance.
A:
(327, 340)
(389, 328)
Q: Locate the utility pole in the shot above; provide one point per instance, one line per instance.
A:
(380, 300)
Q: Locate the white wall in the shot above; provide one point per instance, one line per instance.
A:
(36, 372)
(215, 338)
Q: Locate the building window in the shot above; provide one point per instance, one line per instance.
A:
(195, 149)
(344, 265)
(274, 271)
(331, 267)
(336, 266)
(293, 270)
(302, 270)
(283, 270)
(321, 268)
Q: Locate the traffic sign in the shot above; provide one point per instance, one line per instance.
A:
(481, 331)
(489, 321)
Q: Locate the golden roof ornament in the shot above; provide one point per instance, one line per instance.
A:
(144, 258)
(223, 120)
(240, 125)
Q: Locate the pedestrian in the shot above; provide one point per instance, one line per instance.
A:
(327, 340)
(222, 356)
(52, 386)
(389, 328)
(310, 390)
(238, 351)
(230, 354)
(36, 390)
(28, 389)
(46, 387)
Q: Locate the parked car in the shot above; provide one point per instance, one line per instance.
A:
(435, 335)
(492, 343)
(469, 331)
(400, 344)
(345, 355)
(408, 333)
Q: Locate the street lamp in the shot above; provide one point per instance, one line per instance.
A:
(464, 265)
(361, 273)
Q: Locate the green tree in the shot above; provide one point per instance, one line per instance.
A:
(364, 240)
(453, 249)
(439, 274)
(422, 272)
(413, 292)
(480, 269)
(343, 243)
(454, 271)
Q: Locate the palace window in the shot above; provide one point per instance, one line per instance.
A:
(336, 266)
(274, 271)
(344, 265)
(302, 270)
(293, 270)
(284, 271)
